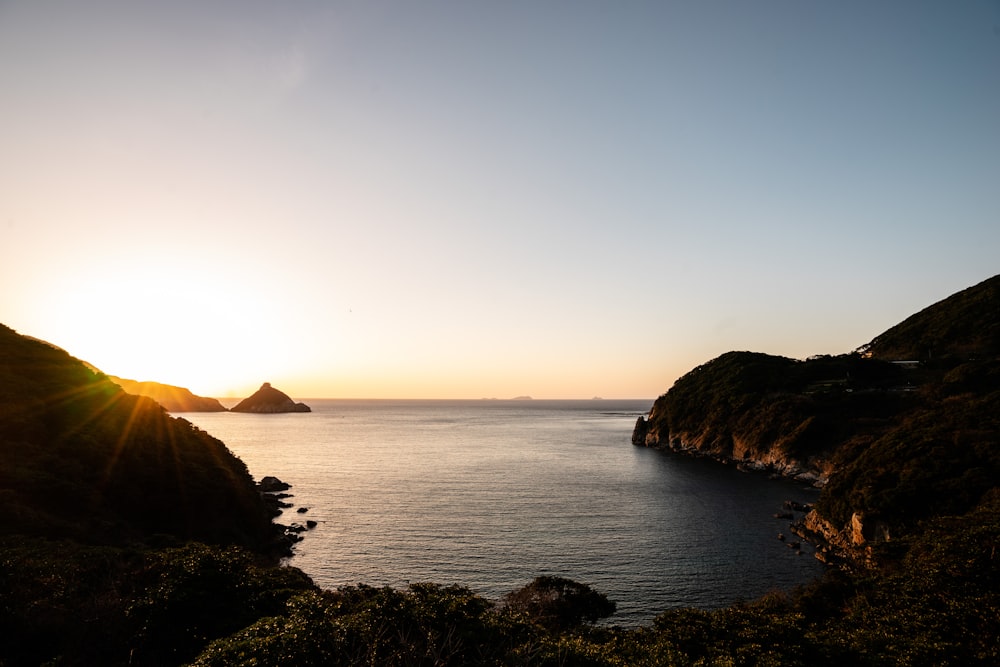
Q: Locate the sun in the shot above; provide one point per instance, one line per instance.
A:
(174, 327)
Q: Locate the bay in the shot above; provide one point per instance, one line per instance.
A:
(490, 494)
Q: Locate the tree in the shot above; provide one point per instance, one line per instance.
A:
(557, 603)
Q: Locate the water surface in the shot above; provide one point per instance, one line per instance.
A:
(490, 494)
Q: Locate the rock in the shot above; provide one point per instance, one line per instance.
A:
(865, 532)
(310, 524)
(268, 400)
(271, 484)
(639, 432)
(302, 510)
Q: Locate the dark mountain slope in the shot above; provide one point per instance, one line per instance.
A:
(126, 536)
(965, 325)
(899, 444)
(81, 458)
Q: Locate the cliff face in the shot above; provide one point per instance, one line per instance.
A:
(174, 399)
(771, 413)
(268, 400)
(893, 444)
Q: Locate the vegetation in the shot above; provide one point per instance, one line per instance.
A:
(965, 325)
(128, 537)
(752, 405)
(81, 459)
(558, 603)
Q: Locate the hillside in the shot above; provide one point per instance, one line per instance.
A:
(963, 326)
(894, 443)
(173, 399)
(81, 458)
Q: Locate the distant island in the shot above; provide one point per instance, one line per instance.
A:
(521, 398)
(268, 400)
(174, 399)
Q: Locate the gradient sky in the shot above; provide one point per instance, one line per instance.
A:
(470, 199)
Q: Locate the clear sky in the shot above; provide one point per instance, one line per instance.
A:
(487, 199)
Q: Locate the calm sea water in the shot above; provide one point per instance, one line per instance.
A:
(490, 494)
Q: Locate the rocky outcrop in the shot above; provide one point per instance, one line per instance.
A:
(735, 451)
(268, 400)
(639, 432)
(272, 484)
(851, 544)
(174, 399)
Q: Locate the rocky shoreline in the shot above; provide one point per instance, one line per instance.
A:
(852, 545)
(273, 493)
(815, 473)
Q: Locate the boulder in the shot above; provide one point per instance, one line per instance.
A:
(271, 484)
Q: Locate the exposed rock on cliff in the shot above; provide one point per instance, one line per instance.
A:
(174, 399)
(268, 400)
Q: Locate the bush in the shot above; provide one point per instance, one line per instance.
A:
(557, 603)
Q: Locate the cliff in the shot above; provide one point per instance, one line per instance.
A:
(174, 399)
(904, 429)
(268, 400)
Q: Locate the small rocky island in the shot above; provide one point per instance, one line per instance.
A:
(268, 400)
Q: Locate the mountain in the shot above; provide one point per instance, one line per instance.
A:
(902, 430)
(268, 400)
(81, 458)
(127, 536)
(174, 399)
(963, 326)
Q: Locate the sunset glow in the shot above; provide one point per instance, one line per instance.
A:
(560, 200)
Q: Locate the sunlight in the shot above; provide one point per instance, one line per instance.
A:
(173, 327)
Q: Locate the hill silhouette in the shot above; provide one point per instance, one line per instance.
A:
(964, 326)
(81, 458)
(268, 400)
(895, 443)
(172, 398)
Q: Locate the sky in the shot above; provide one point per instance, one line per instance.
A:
(469, 199)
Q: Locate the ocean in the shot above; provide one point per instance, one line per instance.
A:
(490, 494)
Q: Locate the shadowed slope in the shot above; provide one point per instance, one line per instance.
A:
(81, 458)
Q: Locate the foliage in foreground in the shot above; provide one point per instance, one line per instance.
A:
(77, 605)
(939, 606)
